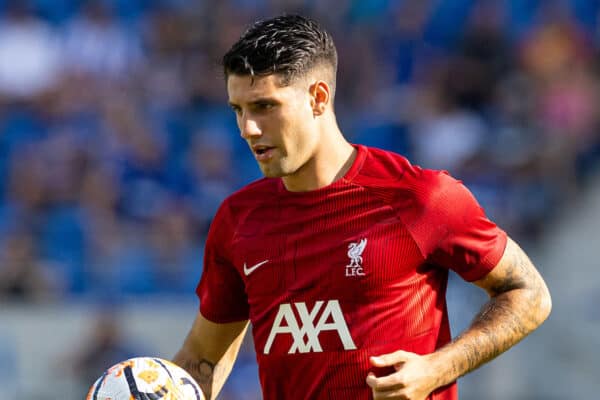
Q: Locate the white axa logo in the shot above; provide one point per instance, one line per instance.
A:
(306, 335)
(355, 251)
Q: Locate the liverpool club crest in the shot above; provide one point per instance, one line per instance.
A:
(355, 250)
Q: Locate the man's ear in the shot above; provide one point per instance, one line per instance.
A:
(320, 94)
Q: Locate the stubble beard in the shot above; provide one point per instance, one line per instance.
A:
(276, 169)
(271, 171)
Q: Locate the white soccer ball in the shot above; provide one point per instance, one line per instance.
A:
(145, 378)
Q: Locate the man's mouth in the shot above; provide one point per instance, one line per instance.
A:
(262, 152)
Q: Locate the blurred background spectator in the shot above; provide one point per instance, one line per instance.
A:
(106, 346)
(117, 144)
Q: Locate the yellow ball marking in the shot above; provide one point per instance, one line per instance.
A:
(148, 375)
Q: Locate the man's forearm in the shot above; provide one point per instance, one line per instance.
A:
(495, 329)
(210, 376)
(514, 310)
(209, 352)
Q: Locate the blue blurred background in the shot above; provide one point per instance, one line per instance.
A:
(117, 146)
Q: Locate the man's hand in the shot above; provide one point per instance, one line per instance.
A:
(413, 379)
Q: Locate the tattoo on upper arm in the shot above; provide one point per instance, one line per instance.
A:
(518, 274)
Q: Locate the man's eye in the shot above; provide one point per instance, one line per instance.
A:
(264, 106)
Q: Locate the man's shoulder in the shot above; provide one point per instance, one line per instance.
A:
(384, 167)
(384, 162)
(250, 197)
(254, 192)
(392, 175)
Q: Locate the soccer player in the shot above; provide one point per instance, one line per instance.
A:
(339, 256)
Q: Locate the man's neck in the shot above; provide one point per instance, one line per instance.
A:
(331, 162)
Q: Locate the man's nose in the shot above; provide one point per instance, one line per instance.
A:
(249, 128)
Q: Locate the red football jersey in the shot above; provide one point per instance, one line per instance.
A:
(335, 275)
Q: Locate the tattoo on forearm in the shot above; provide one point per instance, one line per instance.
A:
(203, 371)
(511, 314)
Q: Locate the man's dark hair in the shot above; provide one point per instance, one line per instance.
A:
(288, 45)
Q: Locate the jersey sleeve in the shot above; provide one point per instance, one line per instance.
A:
(452, 229)
(221, 289)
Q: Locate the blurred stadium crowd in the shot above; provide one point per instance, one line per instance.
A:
(117, 144)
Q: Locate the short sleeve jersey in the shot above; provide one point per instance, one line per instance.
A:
(333, 276)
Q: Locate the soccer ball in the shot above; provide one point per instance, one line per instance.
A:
(145, 378)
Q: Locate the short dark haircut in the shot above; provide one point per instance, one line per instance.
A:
(288, 46)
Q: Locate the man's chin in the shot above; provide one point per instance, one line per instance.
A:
(273, 175)
(272, 172)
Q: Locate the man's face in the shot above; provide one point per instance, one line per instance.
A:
(276, 121)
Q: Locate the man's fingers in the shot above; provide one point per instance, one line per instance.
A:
(385, 383)
(383, 388)
(391, 359)
(392, 395)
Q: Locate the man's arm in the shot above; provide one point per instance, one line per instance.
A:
(209, 352)
(519, 303)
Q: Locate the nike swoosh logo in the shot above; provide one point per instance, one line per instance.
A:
(250, 270)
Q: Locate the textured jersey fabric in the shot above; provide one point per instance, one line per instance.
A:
(335, 275)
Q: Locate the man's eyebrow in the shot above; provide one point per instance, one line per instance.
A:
(264, 100)
(256, 101)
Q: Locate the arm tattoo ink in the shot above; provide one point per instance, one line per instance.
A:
(203, 371)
